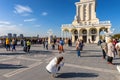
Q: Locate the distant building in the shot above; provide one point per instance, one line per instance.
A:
(9, 35)
(14, 35)
(21, 36)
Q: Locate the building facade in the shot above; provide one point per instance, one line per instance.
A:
(14, 35)
(86, 25)
(9, 35)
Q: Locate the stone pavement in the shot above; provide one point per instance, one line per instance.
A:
(19, 65)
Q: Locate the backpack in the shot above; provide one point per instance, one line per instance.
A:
(61, 42)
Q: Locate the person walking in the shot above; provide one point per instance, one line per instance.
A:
(25, 45)
(104, 49)
(46, 44)
(78, 47)
(110, 52)
(114, 41)
(7, 44)
(13, 45)
(28, 45)
(61, 44)
(117, 46)
(43, 41)
(53, 45)
(55, 65)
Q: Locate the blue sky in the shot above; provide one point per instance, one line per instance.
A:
(32, 17)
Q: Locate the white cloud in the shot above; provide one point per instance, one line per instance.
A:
(23, 10)
(44, 14)
(20, 24)
(38, 26)
(4, 22)
(7, 27)
(29, 20)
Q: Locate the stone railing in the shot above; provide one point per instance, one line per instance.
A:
(87, 25)
(104, 22)
(67, 26)
(85, 0)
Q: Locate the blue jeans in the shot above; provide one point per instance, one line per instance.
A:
(78, 53)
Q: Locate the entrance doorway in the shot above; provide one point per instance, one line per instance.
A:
(93, 37)
(84, 35)
(84, 38)
(76, 37)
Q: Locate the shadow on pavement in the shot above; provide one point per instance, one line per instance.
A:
(116, 63)
(40, 52)
(93, 56)
(74, 75)
(11, 66)
(92, 51)
(12, 53)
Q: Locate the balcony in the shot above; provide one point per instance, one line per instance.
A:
(101, 23)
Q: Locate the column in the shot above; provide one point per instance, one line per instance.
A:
(98, 35)
(70, 33)
(81, 12)
(77, 11)
(90, 11)
(73, 38)
(93, 15)
(88, 35)
(84, 12)
(78, 33)
(87, 12)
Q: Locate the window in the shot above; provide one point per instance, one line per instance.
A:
(93, 31)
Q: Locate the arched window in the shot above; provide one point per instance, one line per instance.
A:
(75, 32)
(93, 31)
(84, 31)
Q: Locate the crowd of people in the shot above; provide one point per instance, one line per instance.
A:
(10, 44)
(110, 49)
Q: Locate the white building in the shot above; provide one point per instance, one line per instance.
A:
(86, 25)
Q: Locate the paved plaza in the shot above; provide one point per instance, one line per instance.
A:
(19, 65)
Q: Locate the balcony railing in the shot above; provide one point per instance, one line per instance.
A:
(103, 23)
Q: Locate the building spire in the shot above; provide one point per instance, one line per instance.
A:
(86, 12)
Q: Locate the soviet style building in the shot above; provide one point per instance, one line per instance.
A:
(86, 25)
